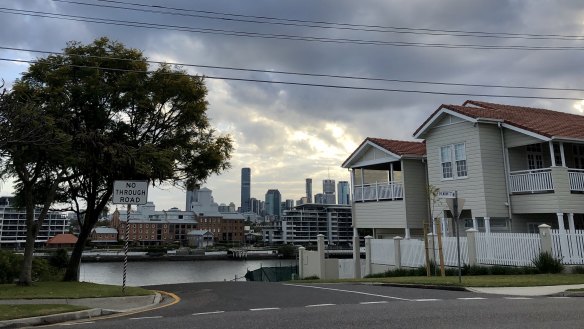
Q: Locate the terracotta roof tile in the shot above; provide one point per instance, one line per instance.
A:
(540, 121)
(63, 239)
(400, 147)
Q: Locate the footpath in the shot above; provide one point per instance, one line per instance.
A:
(97, 307)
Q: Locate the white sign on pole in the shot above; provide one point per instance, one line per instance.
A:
(450, 203)
(130, 192)
(446, 194)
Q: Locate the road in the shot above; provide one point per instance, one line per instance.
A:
(253, 305)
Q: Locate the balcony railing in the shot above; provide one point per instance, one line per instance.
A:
(576, 180)
(531, 181)
(379, 191)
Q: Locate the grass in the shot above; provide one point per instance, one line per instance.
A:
(67, 290)
(475, 281)
(9, 312)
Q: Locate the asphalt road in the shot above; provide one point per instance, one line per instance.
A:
(280, 305)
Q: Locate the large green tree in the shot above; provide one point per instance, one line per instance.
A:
(34, 151)
(126, 121)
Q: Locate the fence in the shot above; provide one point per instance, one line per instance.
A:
(515, 249)
(568, 247)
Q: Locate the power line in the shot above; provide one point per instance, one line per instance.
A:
(277, 36)
(311, 84)
(321, 25)
(303, 73)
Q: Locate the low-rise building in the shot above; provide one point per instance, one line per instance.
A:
(200, 238)
(104, 235)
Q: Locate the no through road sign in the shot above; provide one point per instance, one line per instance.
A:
(130, 192)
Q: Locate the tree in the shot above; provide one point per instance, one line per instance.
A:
(125, 122)
(34, 152)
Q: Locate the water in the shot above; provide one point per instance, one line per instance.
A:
(169, 272)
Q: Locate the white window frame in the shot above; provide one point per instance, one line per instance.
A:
(453, 161)
(535, 151)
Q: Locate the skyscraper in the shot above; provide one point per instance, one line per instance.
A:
(309, 190)
(245, 189)
(328, 190)
(343, 192)
(273, 200)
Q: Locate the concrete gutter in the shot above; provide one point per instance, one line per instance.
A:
(98, 307)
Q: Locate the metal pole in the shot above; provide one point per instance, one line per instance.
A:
(455, 215)
(127, 238)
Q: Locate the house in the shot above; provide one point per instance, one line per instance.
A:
(515, 167)
(104, 235)
(389, 187)
(225, 226)
(65, 240)
(200, 239)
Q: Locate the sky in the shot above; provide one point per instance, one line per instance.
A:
(435, 52)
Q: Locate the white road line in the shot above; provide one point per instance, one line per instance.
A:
(471, 298)
(319, 305)
(349, 291)
(147, 317)
(427, 300)
(205, 313)
(264, 309)
(560, 297)
(380, 302)
(77, 323)
(517, 298)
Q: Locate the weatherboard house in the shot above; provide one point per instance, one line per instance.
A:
(515, 167)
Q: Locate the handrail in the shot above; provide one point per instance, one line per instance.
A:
(529, 171)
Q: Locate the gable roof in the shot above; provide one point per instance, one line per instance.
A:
(547, 124)
(395, 147)
(65, 238)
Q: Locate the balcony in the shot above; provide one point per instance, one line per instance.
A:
(576, 180)
(531, 181)
(379, 191)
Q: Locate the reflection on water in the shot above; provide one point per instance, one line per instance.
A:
(168, 272)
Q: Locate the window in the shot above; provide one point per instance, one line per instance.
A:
(578, 151)
(453, 153)
(534, 156)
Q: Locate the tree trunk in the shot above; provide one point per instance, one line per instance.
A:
(72, 272)
(25, 278)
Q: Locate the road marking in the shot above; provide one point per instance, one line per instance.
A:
(427, 300)
(264, 309)
(349, 291)
(147, 317)
(76, 323)
(205, 313)
(517, 298)
(319, 305)
(559, 297)
(380, 302)
(471, 298)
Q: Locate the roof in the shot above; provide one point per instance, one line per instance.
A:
(396, 147)
(543, 122)
(65, 238)
(105, 230)
(199, 232)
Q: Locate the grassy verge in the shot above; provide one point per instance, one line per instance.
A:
(67, 290)
(476, 281)
(9, 312)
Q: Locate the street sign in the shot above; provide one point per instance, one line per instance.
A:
(446, 194)
(450, 203)
(130, 192)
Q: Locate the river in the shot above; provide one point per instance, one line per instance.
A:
(168, 272)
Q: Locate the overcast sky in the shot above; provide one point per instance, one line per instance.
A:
(286, 133)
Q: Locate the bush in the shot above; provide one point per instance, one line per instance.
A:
(287, 251)
(10, 265)
(546, 263)
(59, 258)
(314, 277)
(578, 269)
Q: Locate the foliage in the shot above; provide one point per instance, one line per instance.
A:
(123, 121)
(546, 263)
(59, 258)
(578, 269)
(466, 270)
(287, 251)
(11, 263)
(313, 277)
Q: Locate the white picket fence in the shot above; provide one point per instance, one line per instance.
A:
(450, 252)
(568, 247)
(514, 249)
(383, 251)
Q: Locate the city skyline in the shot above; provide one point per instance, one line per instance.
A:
(284, 127)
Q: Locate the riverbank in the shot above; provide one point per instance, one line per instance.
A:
(171, 258)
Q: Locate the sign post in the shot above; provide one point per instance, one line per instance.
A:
(455, 204)
(129, 193)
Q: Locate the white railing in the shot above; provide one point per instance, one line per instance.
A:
(450, 252)
(576, 179)
(568, 247)
(383, 251)
(379, 191)
(515, 249)
(531, 181)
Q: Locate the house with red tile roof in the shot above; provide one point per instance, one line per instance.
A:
(515, 167)
(389, 186)
(64, 240)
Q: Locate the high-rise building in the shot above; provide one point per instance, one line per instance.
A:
(328, 190)
(343, 192)
(273, 199)
(245, 189)
(309, 190)
(319, 198)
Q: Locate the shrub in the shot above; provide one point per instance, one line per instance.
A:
(10, 265)
(59, 258)
(287, 251)
(314, 277)
(546, 263)
(578, 269)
